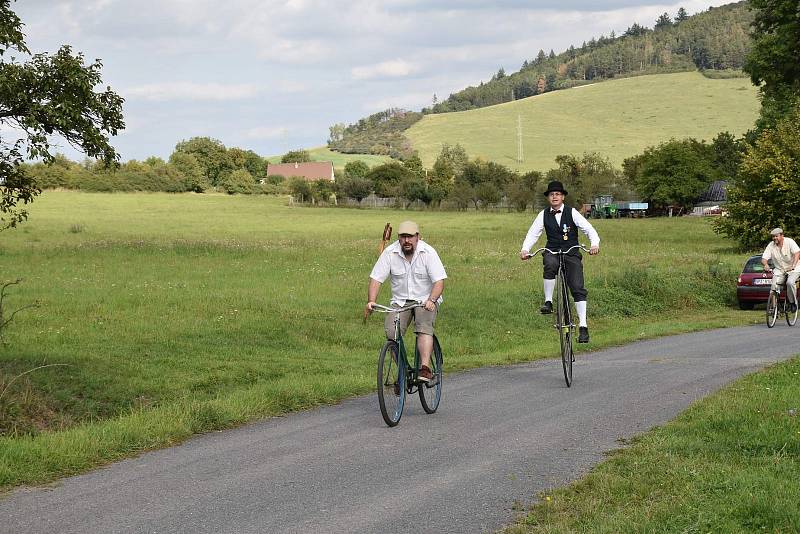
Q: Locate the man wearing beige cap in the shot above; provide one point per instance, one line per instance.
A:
(785, 256)
(417, 276)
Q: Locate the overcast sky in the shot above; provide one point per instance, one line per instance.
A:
(274, 75)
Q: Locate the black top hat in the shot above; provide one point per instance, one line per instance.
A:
(555, 186)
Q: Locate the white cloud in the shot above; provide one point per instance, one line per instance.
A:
(266, 132)
(192, 91)
(397, 68)
(405, 100)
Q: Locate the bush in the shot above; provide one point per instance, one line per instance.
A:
(239, 181)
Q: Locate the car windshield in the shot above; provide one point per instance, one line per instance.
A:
(754, 265)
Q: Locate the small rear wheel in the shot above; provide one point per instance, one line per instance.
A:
(391, 383)
(431, 393)
(772, 309)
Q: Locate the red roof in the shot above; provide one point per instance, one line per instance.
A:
(312, 170)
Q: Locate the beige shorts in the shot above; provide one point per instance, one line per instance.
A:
(423, 321)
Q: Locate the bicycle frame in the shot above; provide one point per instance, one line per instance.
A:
(412, 372)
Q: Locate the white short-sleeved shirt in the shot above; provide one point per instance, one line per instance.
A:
(410, 280)
(782, 257)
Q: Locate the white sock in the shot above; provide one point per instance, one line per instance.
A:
(581, 307)
(549, 287)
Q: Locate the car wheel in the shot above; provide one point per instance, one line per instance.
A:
(746, 305)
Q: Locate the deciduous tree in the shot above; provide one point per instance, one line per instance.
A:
(766, 193)
(45, 96)
(296, 156)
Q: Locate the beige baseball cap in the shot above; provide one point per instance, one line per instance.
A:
(776, 231)
(408, 228)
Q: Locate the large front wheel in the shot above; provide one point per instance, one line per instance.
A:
(431, 393)
(791, 316)
(565, 327)
(772, 309)
(391, 383)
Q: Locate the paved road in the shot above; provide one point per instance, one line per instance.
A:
(502, 434)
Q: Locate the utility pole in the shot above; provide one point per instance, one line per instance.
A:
(519, 139)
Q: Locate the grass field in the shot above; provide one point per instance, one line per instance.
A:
(176, 314)
(339, 160)
(617, 118)
(731, 463)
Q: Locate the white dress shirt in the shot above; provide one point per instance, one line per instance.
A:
(411, 280)
(537, 228)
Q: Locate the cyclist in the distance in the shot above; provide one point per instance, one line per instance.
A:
(560, 223)
(785, 256)
(417, 275)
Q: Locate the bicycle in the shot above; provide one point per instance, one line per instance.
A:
(778, 304)
(563, 311)
(396, 378)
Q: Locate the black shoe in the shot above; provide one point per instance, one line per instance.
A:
(792, 307)
(583, 334)
(547, 308)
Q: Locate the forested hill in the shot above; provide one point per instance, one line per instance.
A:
(712, 41)
(716, 39)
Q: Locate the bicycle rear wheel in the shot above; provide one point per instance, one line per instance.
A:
(431, 393)
(565, 327)
(772, 309)
(391, 383)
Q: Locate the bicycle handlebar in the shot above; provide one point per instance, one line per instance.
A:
(558, 252)
(380, 308)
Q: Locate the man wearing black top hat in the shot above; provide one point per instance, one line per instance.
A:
(561, 223)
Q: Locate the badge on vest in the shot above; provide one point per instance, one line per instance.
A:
(565, 230)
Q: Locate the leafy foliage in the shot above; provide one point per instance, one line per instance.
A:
(296, 156)
(673, 173)
(767, 191)
(380, 133)
(44, 96)
(588, 177)
(773, 61)
(239, 181)
(212, 156)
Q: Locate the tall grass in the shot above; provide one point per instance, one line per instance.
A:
(182, 313)
(616, 118)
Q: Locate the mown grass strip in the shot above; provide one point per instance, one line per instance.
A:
(730, 463)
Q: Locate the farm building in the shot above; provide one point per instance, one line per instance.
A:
(311, 171)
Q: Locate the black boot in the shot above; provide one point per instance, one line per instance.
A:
(547, 308)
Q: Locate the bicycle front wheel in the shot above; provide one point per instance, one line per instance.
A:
(391, 383)
(791, 316)
(431, 393)
(772, 309)
(567, 333)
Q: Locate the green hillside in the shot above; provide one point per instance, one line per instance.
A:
(617, 118)
(323, 153)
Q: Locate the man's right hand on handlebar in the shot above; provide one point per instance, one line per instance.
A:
(524, 255)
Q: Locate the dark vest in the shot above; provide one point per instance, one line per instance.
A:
(555, 232)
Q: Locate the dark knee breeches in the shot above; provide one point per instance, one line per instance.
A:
(574, 273)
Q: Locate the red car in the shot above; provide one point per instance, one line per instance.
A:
(752, 286)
